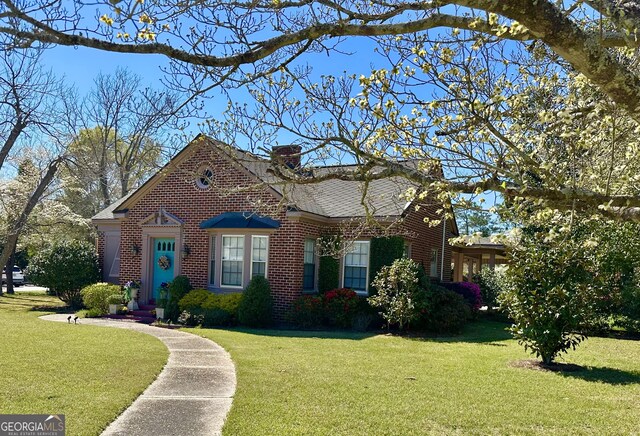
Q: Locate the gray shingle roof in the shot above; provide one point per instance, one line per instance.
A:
(334, 198)
(329, 198)
(107, 213)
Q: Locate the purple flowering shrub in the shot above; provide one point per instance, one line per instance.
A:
(470, 292)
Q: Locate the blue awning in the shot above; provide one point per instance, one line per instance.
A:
(239, 220)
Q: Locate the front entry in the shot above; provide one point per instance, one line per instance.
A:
(163, 263)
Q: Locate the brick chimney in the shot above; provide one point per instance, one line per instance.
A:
(288, 154)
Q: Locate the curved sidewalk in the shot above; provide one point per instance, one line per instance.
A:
(191, 396)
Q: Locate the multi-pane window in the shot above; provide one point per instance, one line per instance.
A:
(434, 263)
(407, 250)
(259, 255)
(309, 280)
(356, 266)
(212, 261)
(232, 260)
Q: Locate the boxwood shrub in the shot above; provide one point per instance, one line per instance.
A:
(96, 297)
(178, 288)
(203, 307)
(256, 307)
(448, 312)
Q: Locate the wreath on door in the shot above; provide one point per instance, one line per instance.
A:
(164, 263)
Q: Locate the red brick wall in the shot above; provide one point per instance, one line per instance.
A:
(423, 238)
(178, 194)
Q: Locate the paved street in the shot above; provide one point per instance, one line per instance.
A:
(26, 288)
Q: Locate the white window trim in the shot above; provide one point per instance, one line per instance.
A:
(212, 250)
(407, 246)
(344, 266)
(315, 264)
(266, 262)
(437, 255)
(244, 247)
(199, 175)
(115, 262)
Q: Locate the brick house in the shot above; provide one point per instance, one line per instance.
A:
(217, 215)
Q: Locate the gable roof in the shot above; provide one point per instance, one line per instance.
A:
(330, 198)
(108, 212)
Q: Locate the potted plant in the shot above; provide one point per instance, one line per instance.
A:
(115, 303)
(162, 300)
(131, 291)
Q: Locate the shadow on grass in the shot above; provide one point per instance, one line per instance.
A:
(315, 334)
(479, 332)
(604, 374)
(53, 309)
(29, 303)
(21, 300)
(612, 376)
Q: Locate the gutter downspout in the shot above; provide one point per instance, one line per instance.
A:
(444, 235)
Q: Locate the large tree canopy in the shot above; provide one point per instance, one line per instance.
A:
(538, 100)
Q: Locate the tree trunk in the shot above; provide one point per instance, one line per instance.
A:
(9, 271)
(124, 181)
(104, 190)
(16, 130)
(18, 225)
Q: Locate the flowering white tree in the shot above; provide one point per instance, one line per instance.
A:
(47, 215)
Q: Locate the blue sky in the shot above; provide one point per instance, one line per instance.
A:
(81, 65)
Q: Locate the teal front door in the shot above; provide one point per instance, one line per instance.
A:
(164, 250)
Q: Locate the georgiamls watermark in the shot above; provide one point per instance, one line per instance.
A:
(32, 425)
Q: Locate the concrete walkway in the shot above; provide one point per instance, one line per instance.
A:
(191, 396)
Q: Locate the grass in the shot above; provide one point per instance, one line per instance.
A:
(357, 384)
(90, 374)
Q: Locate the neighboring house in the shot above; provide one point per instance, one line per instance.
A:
(217, 215)
(469, 258)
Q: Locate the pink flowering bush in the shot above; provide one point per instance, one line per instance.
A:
(340, 307)
(469, 291)
(307, 312)
(335, 308)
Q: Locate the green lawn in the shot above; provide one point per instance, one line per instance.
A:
(88, 373)
(331, 383)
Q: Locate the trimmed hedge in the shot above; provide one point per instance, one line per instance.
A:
(96, 297)
(194, 300)
(178, 288)
(228, 302)
(329, 266)
(202, 307)
(384, 251)
(256, 307)
(328, 273)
